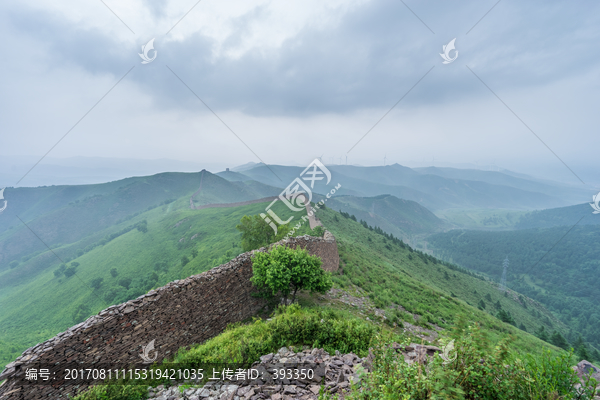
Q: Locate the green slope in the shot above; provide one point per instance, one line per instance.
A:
(557, 266)
(421, 284)
(69, 216)
(160, 245)
(36, 309)
(563, 216)
(399, 217)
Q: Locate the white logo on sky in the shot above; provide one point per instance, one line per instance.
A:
(2, 198)
(144, 54)
(446, 54)
(596, 204)
(146, 354)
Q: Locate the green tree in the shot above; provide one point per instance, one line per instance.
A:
(481, 305)
(595, 355)
(488, 297)
(542, 334)
(522, 327)
(114, 272)
(256, 233)
(505, 316)
(125, 282)
(523, 302)
(81, 313)
(142, 226)
(96, 283)
(581, 349)
(582, 353)
(184, 260)
(559, 341)
(319, 231)
(194, 253)
(284, 270)
(70, 271)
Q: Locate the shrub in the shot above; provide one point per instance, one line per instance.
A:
(284, 270)
(115, 392)
(81, 313)
(125, 282)
(256, 233)
(96, 283)
(479, 371)
(291, 326)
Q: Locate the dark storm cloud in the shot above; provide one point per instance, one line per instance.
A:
(369, 59)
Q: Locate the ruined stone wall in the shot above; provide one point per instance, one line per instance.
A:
(178, 314)
(325, 248)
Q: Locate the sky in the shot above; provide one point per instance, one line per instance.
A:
(283, 82)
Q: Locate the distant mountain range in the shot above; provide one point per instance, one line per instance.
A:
(433, 188)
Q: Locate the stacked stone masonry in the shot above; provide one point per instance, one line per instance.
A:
(179, 314)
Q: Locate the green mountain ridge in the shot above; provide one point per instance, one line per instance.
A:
(174, 242)
(144, 230)
(430, 190)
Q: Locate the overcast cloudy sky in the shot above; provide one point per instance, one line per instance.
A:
(297, 79)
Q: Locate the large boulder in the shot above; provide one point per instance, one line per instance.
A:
(585, 368)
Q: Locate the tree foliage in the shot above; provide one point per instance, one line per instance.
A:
(97, 282)
(284, 270)
(567, 279)
(559, 341)
(256, 233)
(81, 313)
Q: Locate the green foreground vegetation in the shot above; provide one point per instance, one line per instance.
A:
(440, 294)
(481, 370)
(143, 252)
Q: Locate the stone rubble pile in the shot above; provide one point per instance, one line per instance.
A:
(334, 373)
(584, 369)
(416, 352)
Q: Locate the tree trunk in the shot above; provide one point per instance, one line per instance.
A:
(294, 295)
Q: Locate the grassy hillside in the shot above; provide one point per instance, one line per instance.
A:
(153, 248)
(563, 216)
(68, 216)
(171, 242)
(561, 272)
(481, 218)
(397, 216)
(393, 274)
